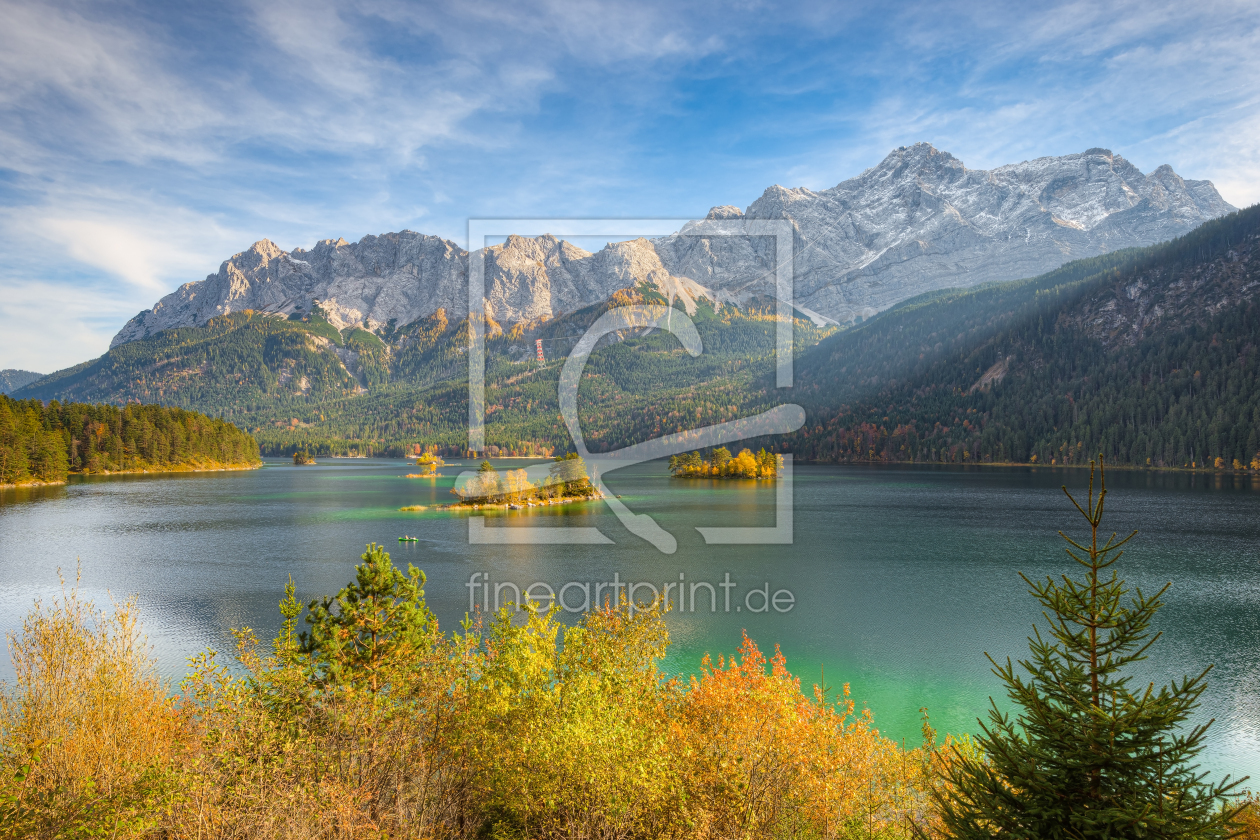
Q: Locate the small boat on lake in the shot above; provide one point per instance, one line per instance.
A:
(405, 538)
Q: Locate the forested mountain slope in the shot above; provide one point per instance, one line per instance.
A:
(11, 380)
(248, 361)
(1148, 356)
(298, 382)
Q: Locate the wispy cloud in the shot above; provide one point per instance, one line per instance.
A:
(93, 87)
(141, 143)
(82, 317)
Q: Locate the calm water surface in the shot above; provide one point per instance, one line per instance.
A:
(902, 578)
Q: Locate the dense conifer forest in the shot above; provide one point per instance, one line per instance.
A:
(1149, 357)
(11, 379)
(44, 443)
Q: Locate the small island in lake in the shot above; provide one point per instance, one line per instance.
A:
(721, 464)
(567, 481)
(303, 458)
(430, 464)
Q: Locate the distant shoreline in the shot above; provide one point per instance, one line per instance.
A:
(1085, 466)
(727, 477)
(181, 468)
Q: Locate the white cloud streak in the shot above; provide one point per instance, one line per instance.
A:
(45, 322)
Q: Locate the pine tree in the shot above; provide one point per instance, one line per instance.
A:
(569, 470)
(1089, 755)
(377, 625)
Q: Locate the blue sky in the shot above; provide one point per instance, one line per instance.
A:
(143, 143)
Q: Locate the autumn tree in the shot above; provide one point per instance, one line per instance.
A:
(720, 458)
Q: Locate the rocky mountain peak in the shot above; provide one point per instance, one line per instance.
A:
(1165, 176)
(265, 249)
(775, 201)
(918, 221)
(919, 160)
(259, 254)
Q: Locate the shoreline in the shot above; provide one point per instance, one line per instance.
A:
(873, 463)
(458, 507)
(1085, 466)
(174, 469)
(726, 477)
(31, 484)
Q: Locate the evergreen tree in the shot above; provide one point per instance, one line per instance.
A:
(1089, 755)
(569, 470)
(373, 628)
(45, 443)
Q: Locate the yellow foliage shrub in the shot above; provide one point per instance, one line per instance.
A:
(522, 729)
(89, 732)
(1247, 823)
(762, 760)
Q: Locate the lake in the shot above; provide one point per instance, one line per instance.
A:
(900, 579)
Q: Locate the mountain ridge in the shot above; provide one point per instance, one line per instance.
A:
(919, 220)
(11, 379)
(1147, 356)
(1139, 353)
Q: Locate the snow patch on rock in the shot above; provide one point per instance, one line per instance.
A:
(917, 222)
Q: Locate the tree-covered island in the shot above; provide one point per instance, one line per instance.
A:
(429, 464)
(566, 481)
(720, 464)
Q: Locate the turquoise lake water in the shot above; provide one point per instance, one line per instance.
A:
(901, 579)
